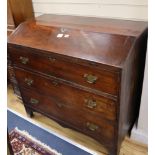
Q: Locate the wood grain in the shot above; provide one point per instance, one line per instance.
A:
(64, 69)
(92, 34)
(21, 10)
(17, 11)
(128, 147)
(69, 96)
(35, 50)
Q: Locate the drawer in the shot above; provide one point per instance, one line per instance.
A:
(76, 118)
(87, 76)
(57, 89)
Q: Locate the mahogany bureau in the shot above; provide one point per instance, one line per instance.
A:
(85, 73)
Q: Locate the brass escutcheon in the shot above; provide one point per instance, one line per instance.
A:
(90, 103)
(29, 81)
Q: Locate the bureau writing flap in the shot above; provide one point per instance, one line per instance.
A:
(88, 40)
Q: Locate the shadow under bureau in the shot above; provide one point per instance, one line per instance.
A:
(85, 73)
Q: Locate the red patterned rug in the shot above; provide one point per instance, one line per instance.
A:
(24, 144)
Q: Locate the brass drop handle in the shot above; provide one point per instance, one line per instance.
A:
(91, 126)
(24, 60)
(90, 103)
(90, 78)
(34, 101)
(51, 59)
(28, 81)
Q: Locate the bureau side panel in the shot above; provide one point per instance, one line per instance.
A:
(131, 86)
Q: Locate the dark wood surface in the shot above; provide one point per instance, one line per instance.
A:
(17, 11)
(64, 69)
(53, 73)
(131, 87)
(80, 44)
(104, 25)
(69, 95)
(63, 112)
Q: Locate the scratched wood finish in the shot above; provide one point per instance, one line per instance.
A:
(52, 72)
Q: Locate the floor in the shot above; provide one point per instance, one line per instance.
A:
(128, 147)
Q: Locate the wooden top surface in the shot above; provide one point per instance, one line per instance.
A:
(114, 26)
(104, 41)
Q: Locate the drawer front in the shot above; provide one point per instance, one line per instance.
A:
(77, 118)
(103, 106)
(91, 77)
